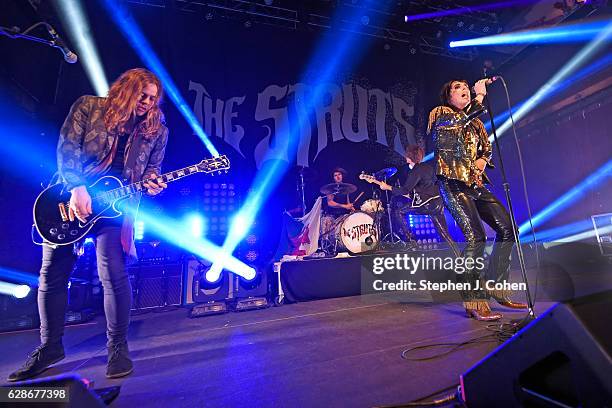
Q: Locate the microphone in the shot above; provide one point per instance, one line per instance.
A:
(488, 81)
(491, 80)
(69, 56)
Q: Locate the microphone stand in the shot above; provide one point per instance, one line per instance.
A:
(15, 32)
(301, 187)
(521, 258)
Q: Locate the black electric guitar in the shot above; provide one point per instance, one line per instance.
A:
(51, 207)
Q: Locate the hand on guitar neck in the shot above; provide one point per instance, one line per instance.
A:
(372, 179)
(153, 187)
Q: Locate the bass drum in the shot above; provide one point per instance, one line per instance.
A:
(356, 233)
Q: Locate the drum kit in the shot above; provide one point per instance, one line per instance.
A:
(359, 231)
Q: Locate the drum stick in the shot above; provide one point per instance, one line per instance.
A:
(358, 197)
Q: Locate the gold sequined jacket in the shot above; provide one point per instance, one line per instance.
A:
(460, 139)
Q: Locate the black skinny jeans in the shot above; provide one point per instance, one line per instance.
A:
(56, 267)
(468, 206)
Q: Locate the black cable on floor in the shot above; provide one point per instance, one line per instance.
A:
(432, 403)
(487, 338)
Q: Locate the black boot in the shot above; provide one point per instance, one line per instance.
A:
(38, 361)
(119, 363)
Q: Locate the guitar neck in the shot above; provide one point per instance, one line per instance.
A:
(373, 180)
(139, 186)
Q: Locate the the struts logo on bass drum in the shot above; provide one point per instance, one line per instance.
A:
(357, 231)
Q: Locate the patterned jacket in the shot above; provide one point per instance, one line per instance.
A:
(85, 151)
(460, 139)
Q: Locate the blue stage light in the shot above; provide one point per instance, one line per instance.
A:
(141, 45)
(16, 276)
(553, 234)
(177, 234)
(75, 20)
(466, 10)
(572, 65)
(341, 49)
(11, 289)
(598, 177)
(560, 34)
(21, 291)
(195, 225)
(581, 236)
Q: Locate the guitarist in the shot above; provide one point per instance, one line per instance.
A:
(462, 152)
(122, 135)
(424, 194)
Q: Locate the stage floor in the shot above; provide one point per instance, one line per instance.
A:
(343, 352)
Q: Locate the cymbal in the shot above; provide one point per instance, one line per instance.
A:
(385, 173)
(338, 188)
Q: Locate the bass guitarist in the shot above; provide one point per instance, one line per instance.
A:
(121, 135)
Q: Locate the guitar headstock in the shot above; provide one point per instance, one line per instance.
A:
(367, 177)
(214, 164)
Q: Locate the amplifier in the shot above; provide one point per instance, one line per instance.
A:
(158, 252)
(156, 285)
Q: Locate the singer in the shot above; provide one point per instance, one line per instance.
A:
(462, 152)
(122, 135)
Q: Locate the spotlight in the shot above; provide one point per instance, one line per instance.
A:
(139, 230)
(365, 20)
(241, 224)
(141, 45)
(195, 225)
(75, 20)
(21, 291)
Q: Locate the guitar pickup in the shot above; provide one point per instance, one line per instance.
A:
(63, 212)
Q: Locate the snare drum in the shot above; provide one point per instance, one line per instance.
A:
(372, 206)
(356, 233)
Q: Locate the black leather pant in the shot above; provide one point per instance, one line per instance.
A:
(434, 209)
(468, 206)
(57, 264)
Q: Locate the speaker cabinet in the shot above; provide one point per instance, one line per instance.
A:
(561, 359)
(156, 285)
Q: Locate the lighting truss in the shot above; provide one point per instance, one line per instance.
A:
(421, 35)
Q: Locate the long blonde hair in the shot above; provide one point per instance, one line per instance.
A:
(123, 97)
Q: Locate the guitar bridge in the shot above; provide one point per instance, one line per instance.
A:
(63, 211)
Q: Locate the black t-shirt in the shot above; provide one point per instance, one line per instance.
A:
(116, 168)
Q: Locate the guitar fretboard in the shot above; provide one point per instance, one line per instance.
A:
(210, 166)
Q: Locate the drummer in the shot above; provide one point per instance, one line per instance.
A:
(339, 204)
